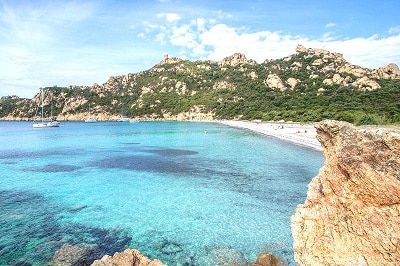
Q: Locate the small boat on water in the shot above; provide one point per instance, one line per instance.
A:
(90, 119)
(39, 124)
(53, 123)
(42, 123)
(123, 119)
(123, 116)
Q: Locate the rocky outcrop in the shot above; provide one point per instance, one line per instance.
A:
(130, 257)
(266, 259)
(196, 113)
(389, 71)
(274, 81)
(352, 212)
(169, 60)
(235, 59)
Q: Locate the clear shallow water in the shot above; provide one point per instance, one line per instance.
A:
(165, 188)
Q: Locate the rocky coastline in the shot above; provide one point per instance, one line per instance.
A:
(81, 254)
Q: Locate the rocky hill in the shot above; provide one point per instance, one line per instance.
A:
(309, 85)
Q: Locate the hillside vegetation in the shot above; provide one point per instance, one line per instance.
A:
(310, 85)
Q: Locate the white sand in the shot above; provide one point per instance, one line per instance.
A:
(300, 134)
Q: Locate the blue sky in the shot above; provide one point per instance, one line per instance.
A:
(46, 43)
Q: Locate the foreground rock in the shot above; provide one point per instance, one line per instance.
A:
(266, 259)
(352, 212)
(130, 257)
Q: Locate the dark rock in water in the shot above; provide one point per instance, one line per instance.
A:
(169, 248)
(76, 255)
(53, 168)
(22, 263)
(77, 209)
(108, 241)
(173, 152)
(222, 255)
(147, 163)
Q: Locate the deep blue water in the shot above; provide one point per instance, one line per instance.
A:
(166, 188)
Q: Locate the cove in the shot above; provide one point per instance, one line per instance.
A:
(166, 188)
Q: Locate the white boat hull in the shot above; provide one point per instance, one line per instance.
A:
(39, 125)
(53, 124)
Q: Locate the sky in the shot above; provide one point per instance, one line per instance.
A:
(61, 43)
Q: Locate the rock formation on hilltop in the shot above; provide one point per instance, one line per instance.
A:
(352, 212)
(235, 59)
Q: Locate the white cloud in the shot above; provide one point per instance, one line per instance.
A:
(183, 36)
(170, 17)
(205, 39)
(330, 25)
(220, 40)
(222, 15)
(372, 52)
(394, 30)
(200, 24)
(224, 41)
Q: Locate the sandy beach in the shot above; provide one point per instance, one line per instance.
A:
(300, 134)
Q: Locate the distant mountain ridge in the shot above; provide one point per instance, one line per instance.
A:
(309, 85)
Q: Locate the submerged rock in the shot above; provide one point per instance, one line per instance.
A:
(75, 255)
(169, 248)
(222, 255)
(352, 212)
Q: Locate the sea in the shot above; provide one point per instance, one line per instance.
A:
(187, 193)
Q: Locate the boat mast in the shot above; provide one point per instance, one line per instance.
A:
(42, 103)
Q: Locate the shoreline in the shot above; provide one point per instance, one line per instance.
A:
(296, 133)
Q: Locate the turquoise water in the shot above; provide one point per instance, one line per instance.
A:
(169, 189)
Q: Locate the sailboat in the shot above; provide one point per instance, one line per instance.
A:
(53, 122)
(90, 120)
(123, 118)
(42, 123)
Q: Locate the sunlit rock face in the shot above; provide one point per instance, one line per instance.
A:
(131, 257)
(352, 212)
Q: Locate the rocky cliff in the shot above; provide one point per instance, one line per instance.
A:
(352, 212)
